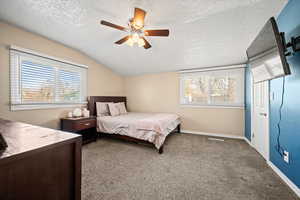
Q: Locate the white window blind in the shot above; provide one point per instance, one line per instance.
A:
(218, 87)
(38, 81)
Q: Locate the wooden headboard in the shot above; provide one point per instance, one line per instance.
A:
(93, 99)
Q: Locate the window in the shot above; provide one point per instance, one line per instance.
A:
(213, 87)
(39, 81)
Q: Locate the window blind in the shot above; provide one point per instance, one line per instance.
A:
(41, 82)
(223, 87)
(37, 83)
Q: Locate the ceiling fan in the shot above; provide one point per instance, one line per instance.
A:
(135, 30)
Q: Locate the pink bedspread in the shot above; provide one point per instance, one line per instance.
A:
(152, 127)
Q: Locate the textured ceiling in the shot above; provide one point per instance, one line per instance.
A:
(203, 33)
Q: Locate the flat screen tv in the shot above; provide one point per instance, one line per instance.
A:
(266, 54)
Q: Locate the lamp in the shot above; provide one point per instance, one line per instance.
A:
(130, 41)
(135, 39)
(141, 42)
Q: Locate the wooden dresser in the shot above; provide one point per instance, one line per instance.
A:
(39, 163)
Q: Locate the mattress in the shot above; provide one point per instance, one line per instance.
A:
(151, 127)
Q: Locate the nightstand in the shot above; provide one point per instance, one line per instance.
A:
(83, 126)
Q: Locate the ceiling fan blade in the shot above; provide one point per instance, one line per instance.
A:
(139, 17)
(113, 25)
(162, 32)
(124, 39)
(147, 44)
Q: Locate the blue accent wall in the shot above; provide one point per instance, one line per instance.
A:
(289, 22)
(248, 103)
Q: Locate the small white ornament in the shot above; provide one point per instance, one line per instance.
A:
(77, 112)
(70, 114)
(86, 113)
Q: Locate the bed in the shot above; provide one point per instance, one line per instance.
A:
(147, 128)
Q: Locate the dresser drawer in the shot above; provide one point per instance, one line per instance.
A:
(81, 125)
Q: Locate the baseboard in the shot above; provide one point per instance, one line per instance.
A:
(285, 178)
(276, 170)
(280, 174)
(248, 141)
(273, 167)
(214, 134)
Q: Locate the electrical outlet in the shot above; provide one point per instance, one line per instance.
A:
(286, 156)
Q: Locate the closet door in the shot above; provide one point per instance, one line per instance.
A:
(260, 133)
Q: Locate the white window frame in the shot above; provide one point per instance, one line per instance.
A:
(16, 56)
(190, 73)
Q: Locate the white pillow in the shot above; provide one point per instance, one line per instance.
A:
(102, 109)
(113, 109)
(122, 108)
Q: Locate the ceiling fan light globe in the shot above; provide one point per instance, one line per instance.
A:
(130, 42)
(141, 42)
(135, 37)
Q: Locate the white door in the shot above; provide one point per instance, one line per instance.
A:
(260, 118)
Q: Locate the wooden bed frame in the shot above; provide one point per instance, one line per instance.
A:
(116, 99)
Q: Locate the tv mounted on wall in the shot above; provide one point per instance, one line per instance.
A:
(266, 54)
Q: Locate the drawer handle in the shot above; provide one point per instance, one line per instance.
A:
(87, 124)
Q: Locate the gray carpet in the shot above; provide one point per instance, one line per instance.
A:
(192, 167)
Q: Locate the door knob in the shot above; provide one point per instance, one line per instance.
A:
(263, 114)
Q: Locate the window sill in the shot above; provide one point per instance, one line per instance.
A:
(212, 106)
(17, 107)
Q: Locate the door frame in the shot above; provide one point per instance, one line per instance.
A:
(267, 156)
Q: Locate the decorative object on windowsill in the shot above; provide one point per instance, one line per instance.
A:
(70, 114)
(3, 144)
(86, 112)
(77, 112)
